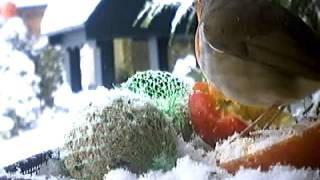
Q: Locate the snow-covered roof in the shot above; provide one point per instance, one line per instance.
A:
(62, 15)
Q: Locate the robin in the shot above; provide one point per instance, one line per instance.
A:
(256, 52)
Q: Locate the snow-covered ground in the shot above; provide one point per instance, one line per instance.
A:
(188, 169)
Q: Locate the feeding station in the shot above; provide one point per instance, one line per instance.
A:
(98, 23)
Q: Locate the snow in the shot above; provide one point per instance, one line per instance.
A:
(51, 127)
(13, 27)
(277, 172)
(53, 124)
(72, 14)
(194, 163)
(75, 102)
(234, 146)
(48, 135)
(154, 7)
(188, 169)
(17, 75)
(120, 174)
(183, 7)
(184, 66)
(18, 95)
(307, 108)
(197, 163)
(6, 124)
(314, 112)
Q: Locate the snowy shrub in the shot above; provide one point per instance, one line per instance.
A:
(19, 84)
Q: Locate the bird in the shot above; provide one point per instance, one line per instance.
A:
(256, 52)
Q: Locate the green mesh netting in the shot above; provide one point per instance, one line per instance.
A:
(129, 133)
(169, 93)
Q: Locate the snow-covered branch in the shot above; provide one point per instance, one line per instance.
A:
(154, 7)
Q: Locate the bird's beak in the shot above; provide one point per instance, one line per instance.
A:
(196, 45)
(196, 38)
(198, 9)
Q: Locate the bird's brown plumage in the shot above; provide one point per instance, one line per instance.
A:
(278, 49)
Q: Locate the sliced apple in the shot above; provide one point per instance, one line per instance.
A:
(299, 150)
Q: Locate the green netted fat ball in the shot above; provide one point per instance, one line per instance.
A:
(168, 92)
(157, 84)
(128, 132)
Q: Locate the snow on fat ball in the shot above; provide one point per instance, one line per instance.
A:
(128, 131)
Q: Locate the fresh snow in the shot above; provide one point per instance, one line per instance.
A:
(154, 7)
(68, 17)
(17, 76)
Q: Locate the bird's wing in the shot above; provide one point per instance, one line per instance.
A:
(265, 33)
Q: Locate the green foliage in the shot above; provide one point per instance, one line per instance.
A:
(128, 132)
(49, 68)
(169, 93)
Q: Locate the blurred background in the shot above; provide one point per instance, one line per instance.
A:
(51, 50)
(76, 46)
